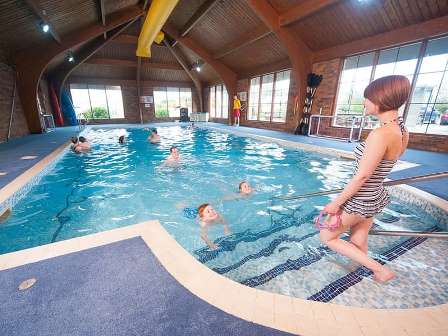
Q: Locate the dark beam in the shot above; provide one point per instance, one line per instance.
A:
(41, 14)
(197, 16)
(227, 75)
(304, 10)
(102, 14)
(246, 39)
(132, 64)
(139, 93)
(412, 33)
(184, 65)
(61, 73)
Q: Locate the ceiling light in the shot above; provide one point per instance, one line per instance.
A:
(45, 27)
(70, 57)
(198, 68)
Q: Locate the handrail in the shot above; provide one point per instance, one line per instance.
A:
(418, 178)
(438, 235)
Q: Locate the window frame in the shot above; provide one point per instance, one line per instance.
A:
(274, 88)
(165, 89)
(415, 75)
(221, 114)
(88, 87)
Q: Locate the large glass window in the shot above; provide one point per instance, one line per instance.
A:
(168, 101)
(355, 77)
(427, 109)
(268, 97)
(97, 101)
(219, 102)
(212, 102)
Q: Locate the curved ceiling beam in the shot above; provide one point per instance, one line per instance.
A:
(194, 78)
(63, 71)
(227, 75)
(31, 63)
(298, 52)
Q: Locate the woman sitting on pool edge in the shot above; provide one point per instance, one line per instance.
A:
(208, 216)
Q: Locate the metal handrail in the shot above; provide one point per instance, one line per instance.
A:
(418, 178)
(355, 119)
(438, 235)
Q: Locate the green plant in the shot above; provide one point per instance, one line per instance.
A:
(97, 112)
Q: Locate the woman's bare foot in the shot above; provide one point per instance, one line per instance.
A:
(384, 275)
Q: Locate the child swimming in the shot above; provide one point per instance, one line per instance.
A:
(207, 217)
(154, 137)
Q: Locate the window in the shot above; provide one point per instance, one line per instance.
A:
(212, 102)
(168, 101)
(97, 101)
(268, 97)
(355, 77)
(219, 102)
(427, 109)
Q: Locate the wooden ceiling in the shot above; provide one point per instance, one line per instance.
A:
(228, 29)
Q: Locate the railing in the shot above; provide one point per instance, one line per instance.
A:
(420, 178)
(387, 183)
(357, 121)
(199, 116)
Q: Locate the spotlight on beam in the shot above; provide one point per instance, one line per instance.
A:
(45, 27)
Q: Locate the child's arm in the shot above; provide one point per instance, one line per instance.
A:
(204, 237)
(226, 225)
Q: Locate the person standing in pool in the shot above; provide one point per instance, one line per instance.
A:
(365, 196)
(173, 158)
(121, 139)
(207, 217)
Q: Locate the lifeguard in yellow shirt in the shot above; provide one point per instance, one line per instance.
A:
(236, 110)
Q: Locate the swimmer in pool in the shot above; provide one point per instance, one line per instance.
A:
(81, 146)
(154, 137)
(244, 190)
(121, 139)
(207, 217)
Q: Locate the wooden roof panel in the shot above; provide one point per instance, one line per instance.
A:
(264, 51)
(224, 23)
(165, 75)
(353, 20)
(104, 71)
(183, 12)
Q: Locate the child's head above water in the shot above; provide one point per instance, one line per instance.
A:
(74, 140)
(244, 187)
(82, 139)
(206, 212)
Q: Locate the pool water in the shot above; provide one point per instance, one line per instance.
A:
(273, 244)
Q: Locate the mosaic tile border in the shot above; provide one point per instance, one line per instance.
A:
(338, 286)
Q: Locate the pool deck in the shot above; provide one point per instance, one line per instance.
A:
(139, 280)
(158, 288)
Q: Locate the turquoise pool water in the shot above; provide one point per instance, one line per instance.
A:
(272, 246)
(117, 185)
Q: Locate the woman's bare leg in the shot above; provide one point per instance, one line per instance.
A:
(350, 250)
(359, 234)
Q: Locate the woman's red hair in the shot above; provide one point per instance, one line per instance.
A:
(388, 93)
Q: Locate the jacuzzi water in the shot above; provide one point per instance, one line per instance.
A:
(273, 244)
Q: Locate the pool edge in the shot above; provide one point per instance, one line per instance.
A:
(269, 309)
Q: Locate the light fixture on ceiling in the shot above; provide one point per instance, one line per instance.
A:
(197, 65)
(70, 57)
(45, 27)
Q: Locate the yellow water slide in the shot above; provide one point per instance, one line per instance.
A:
(157, 15)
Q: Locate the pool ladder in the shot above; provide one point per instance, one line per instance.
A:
(419, 178)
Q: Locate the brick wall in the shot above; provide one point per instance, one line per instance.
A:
(19, 126)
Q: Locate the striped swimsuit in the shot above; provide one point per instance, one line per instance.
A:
(372, 197)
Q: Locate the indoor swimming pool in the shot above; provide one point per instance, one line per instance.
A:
(273, 244)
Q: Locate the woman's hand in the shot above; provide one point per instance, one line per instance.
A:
(332, 208)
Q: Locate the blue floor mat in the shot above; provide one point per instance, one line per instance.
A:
(116, 289)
